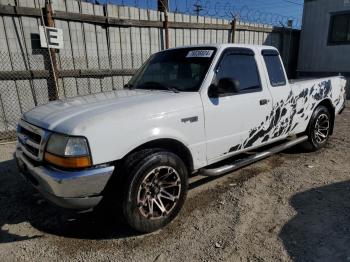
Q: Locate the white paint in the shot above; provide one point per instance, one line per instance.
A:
(117, 122)
(51, 37)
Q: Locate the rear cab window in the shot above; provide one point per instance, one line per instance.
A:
(274, 67)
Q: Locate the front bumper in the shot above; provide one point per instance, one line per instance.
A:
(80, 190)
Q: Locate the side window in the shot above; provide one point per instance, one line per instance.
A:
(274, 68)
(339, 32)
(241, 67)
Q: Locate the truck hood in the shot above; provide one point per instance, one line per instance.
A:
(72, 116)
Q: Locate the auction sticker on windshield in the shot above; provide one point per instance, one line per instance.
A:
(200, 53)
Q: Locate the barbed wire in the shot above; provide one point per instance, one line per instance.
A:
(223, 9)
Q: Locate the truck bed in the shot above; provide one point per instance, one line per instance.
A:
(308, 93)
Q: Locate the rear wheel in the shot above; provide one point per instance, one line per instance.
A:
(319, 129)
(156, 189)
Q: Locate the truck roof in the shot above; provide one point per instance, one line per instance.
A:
(222, 46)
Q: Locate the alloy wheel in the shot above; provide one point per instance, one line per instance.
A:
(159, 192)
(321, 130)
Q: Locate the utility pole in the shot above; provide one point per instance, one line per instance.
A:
(197, 8)
(163, 5)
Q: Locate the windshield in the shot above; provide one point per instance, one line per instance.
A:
(176, 70)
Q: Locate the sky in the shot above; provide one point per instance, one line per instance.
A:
(256, 10)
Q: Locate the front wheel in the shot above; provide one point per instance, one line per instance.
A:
(319, 129)
(156, 190)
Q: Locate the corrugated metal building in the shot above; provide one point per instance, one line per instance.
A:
(325, 39)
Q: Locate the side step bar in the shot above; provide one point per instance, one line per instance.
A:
(212, 172)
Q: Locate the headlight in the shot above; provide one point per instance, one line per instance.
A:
(68, 152)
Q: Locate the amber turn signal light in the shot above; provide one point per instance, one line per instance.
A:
(68, 162)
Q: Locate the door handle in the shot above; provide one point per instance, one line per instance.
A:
(264, 101)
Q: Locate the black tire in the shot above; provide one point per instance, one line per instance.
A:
(143, 189)
(319, 119)
(114, 192)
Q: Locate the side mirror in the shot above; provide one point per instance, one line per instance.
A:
(228, 86)
(225, 86)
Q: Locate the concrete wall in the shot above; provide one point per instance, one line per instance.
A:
(315, 54)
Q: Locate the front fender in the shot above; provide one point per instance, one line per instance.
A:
(111, 144)
(156, 133)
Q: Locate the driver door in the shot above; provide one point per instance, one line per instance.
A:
(230, 117)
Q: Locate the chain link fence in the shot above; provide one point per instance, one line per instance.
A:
(105, 44)
(27, 81)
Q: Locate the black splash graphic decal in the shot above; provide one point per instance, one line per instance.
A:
(234, 148)
(284, 116)
(284, 112)
(341, 97)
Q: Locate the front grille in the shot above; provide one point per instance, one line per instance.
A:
(31, 149)
(31, 140)
(35, 137)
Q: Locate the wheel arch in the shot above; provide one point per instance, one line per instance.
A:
(117, 181)
(171, 145)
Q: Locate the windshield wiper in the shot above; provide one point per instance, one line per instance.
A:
(157, 85)
(129, 86)
(172, 88)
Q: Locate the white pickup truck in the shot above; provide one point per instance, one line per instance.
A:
(182, 113)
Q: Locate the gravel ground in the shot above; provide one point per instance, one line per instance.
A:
(293, 206)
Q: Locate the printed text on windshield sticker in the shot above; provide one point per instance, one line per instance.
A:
(200, 53)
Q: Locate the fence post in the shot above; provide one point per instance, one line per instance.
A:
(52, 84)
(233, 29)
(163, 6)
(166, 29)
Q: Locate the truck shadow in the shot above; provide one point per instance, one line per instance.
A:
(320, 231)
(20, 203)
(11, 211)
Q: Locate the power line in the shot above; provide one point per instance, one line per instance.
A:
(291, 2)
